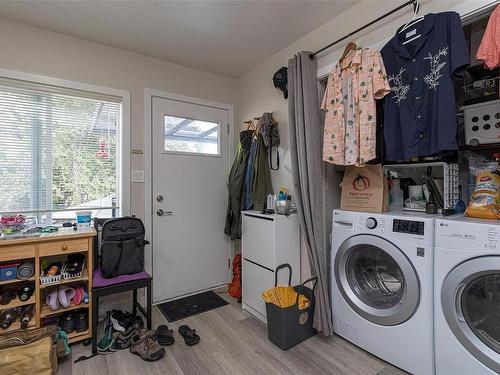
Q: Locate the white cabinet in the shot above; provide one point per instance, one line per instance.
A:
(267, 242)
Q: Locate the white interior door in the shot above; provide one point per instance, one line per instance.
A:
(190, 168)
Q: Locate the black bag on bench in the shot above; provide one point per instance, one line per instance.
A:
(122, 250)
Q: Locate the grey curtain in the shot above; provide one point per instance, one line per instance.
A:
(306, 139)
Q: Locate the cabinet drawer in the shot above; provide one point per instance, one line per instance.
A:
(256, 279)
(17, 252)
(63, 247)
(258, 240)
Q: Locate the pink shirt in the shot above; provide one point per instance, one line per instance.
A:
(489, 50)
(350, 111)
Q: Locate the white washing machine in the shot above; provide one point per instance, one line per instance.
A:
(467, 296)
(382, 285)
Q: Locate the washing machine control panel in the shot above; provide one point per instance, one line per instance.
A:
(408, 226)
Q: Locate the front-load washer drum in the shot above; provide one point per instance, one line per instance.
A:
(470, 298)
(377, 280)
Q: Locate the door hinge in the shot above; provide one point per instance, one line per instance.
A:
(229, 263)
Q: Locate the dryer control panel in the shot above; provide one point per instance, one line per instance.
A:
(408, 226)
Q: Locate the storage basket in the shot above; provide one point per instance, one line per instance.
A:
(481, 90)
(66, 275)
(286, 327)
(482, 123)
(45, 280)
(447, 172)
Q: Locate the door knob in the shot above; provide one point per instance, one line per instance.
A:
(161, 212)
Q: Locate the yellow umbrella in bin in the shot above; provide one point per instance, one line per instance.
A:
(285, 296)
(289, 311)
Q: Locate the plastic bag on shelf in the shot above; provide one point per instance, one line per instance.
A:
(485, 200)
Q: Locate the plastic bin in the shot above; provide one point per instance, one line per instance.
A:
(286, 327)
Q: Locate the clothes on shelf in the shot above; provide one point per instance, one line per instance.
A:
(350, 110)
(420, 113)
(489, 49)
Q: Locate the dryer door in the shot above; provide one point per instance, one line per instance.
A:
(377, 280)
(470, 298)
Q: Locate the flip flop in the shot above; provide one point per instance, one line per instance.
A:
(164, 335)
(190, 336)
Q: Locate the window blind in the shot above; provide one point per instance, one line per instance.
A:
(58, 150)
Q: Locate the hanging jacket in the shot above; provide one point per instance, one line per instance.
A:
(247, 187)
(261, 184)
(235, 186)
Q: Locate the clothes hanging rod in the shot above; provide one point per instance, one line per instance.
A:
(410, 2)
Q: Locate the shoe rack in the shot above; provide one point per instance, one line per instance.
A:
(46, 249)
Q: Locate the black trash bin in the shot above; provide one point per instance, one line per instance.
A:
(286, 327)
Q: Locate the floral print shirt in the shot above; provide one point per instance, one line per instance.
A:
(349, 105)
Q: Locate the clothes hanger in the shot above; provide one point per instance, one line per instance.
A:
(250, 125)
(351, 46)
(414, 20)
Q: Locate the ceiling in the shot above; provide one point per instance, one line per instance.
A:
(224, 37)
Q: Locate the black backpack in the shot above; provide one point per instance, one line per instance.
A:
(122, 250)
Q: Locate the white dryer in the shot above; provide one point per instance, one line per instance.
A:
(382, 285)
(467, 296)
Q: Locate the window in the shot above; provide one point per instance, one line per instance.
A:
(191, 136)
(58, 151)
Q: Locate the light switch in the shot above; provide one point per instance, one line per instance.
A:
(137, 175)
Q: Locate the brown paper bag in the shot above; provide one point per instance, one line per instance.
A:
(365, 189)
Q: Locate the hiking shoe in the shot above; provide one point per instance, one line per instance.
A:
(143, 345)
(124, 339)
(67, 323)
(81, 322)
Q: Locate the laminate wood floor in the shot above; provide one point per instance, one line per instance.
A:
(233, 343)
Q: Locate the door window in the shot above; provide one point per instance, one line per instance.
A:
(375, 277)
(480, 303)
(184, 135)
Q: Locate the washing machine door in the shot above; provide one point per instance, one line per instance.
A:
(377, 280)
(470, 297)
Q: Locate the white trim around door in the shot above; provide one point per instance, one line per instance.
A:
(149, 94)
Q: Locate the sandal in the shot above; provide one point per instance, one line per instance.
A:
(143, 345)
(190, 336)
(164, 335)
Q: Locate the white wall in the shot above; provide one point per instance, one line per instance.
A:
(29, 49)
(256, 93)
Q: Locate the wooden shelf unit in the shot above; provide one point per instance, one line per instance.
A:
(16, 302)
(46, 311)
(84, 277)
(65, 241)
(15, 281)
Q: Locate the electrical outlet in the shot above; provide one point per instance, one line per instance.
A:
(137, 175)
